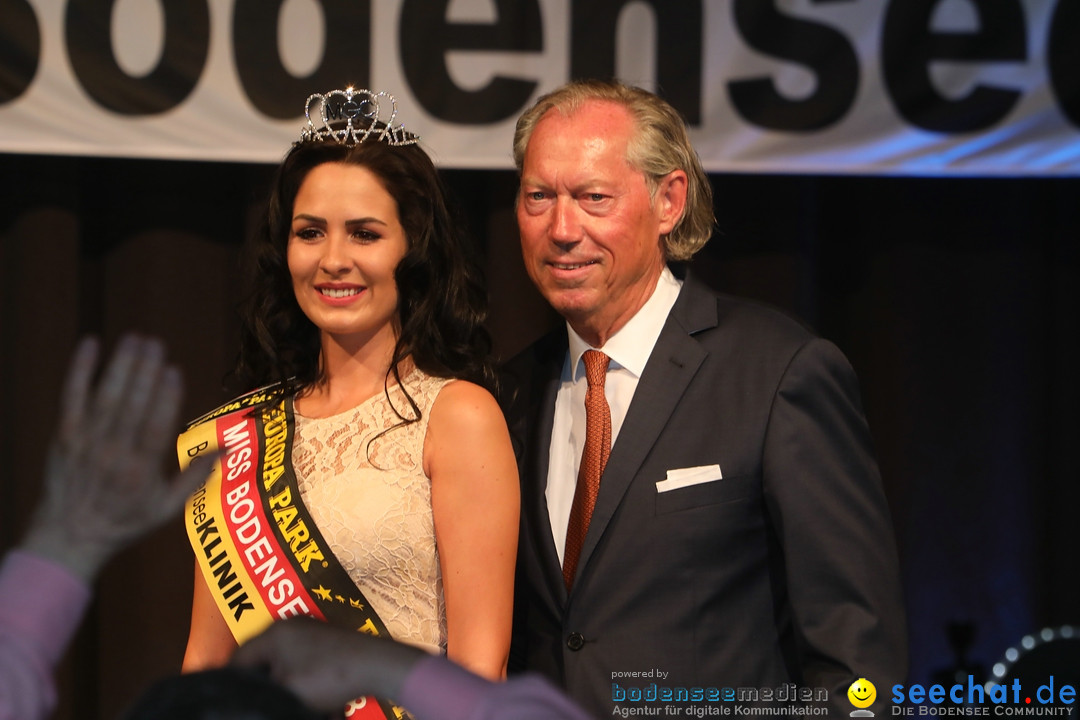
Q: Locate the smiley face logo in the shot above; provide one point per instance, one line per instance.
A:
(862, 693)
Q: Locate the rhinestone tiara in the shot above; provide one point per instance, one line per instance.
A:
(351, 116)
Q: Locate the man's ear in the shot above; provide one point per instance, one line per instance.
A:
(671, 199)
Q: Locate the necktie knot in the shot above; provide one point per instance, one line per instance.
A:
(596, 365)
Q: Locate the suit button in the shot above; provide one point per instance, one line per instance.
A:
(575, 641)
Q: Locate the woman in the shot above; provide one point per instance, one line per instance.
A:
(366, 315)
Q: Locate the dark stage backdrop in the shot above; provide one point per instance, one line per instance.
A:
(957, 301)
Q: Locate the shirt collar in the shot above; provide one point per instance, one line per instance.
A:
(631, 346)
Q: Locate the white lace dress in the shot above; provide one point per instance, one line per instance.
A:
(372, 504)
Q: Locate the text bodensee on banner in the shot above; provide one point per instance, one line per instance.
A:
(860, 86)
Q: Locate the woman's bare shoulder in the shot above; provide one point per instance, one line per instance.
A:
(461, 401)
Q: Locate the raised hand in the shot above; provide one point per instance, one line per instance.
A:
(104, 479)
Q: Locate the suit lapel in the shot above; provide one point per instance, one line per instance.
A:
(674, 361)
(541, 414)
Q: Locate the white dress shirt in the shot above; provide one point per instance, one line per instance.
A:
(629, 350)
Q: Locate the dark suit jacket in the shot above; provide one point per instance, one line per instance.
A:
(784, 571)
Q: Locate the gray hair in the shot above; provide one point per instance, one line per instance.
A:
(661, 144)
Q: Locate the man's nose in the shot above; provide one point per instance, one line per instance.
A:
(565, 227)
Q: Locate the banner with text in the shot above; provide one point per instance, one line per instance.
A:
(935, 87)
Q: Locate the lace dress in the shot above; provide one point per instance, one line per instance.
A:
(372, 504)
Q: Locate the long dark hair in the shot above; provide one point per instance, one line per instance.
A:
(441, 301)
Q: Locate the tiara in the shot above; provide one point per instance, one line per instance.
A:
(351, 116)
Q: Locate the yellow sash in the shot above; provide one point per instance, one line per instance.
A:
(261, 554)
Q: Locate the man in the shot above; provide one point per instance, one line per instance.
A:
(706, 514)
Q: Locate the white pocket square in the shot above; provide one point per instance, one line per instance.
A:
(685, 477)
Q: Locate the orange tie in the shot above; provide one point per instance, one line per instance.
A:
(593, 459)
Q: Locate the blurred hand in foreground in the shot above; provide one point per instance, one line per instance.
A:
(326, 666)
(104, 482)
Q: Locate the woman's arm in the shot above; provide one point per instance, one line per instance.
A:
(475, 501)
(210, 642)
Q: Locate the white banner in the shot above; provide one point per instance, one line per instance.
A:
(980, 87)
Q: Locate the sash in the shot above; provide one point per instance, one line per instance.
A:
(260, 553)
